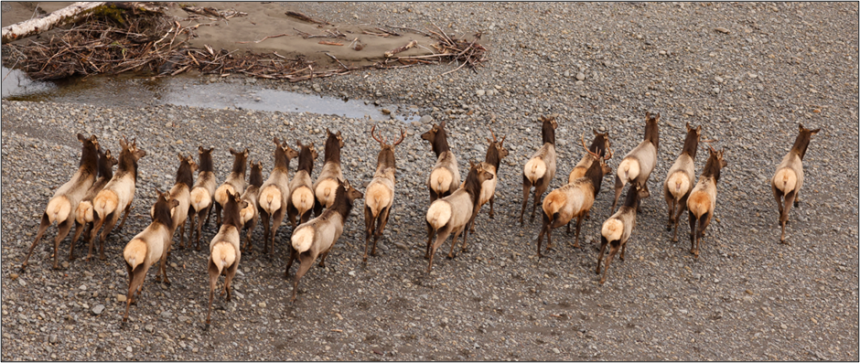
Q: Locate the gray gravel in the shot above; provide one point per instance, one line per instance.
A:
(598, 66)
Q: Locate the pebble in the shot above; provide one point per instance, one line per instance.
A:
(580, 76)
(98, 309)
(262, 304)
(149, 328)
(120, 298)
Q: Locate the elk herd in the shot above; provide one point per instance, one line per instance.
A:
(96, 196)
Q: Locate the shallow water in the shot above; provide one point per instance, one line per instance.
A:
(135, 91)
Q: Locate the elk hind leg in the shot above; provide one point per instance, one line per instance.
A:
(42, 228)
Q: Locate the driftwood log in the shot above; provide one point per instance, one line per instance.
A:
(35, 26)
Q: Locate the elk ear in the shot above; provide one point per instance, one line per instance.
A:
(180, 156)
(658, 117)
(327, 132)
(813, 132)
(81, 138)
(200, 149)
(245, 204)
(233, 151)
(139, 153)
(299, 143)
(471, 164)
(688, 126)
(338, 134)
(246, 152)
(442, 125)
(801, 127)
(699, 130)
(174, 203)
(107, 153)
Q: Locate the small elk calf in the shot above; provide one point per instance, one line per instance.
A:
(117, 196)
(202, 194)
(495, 153)
(249, 215)
(445, 175)
(573, 200)
(84, 213)
(703, 198)
(638, 164)
(301, 201)
(331, 172)
(235, 182)
(65, 201)
(617, 229)
(148, 248)
(379, 195)
(224, 251)
(788, 179)
(452, 213)
(317, 236)
(540, 169)
(274, 193)
(679, 179)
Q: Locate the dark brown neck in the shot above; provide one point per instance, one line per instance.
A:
(162, 213)
(342, 204)
(231, 213)
(595, 175)
(548, 133)
(184, 175)
(127, 164)
(332, 149)
(281, 159)
(712, 168)
(385, 159)
(205, 163)
(440, 142)
(256, 177)
(651, 133)
(493, 157)
(598, 146)
(632, 199)
(306, 160)
(473, 186)
(105, 167)
(691, 144)
(90, 158)
(801, 144)
(239, 163)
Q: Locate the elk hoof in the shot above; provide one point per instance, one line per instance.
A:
(451, 256)
(602, 281)
(669, 228)
(374, 254)
(123, 324)
(166, 282)
(72, 258)
(102, 257)
(206, 327)
(597, 271)
(675, 239)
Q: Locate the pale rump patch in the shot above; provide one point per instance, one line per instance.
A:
(439, 214)
(302, 239)
(325, 192)
(554, 202)
(270, 199)
(785, 180)
(440, 180)
(221, 193)
(58, 209)
(699, 203)
(247, 213)
(303, 199)
(628, 170)
(376, 198)
(105, 203)
(678, 184)
(223, 255)
(84, 212)
(134, 252)
(200, 199)
(535, 169)
(612, 229)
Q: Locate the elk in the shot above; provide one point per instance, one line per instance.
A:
(202, 194)
(273, 196)
(331, 172)
(540, 169)
(495, 153)
(616, 230)
(703, 198)
(84, 214)
(445, 175)
(148, 247)
(301, 201)
(638, 164)
(117, 196)
(599, 146)
(235, 182)
(317, 236)
(679, 179)
(573, 200)
(380, 192)
(65, 201)
(453, 213)
(249, 215)
(180, 192)
(224, 251)
(788, 178)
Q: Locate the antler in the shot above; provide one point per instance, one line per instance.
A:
(582, 138)
(608, 150)
(402, 136)
(374, 136)
(494, 135)
(709, 143)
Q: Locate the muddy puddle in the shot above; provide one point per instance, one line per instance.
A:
(135, 91)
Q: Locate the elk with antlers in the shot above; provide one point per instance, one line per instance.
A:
(495, 153)
(379, 195)
(540, 169)
(638, 164)
(788, 178)
(679, 179)
(573, 200)
(65, 200)
(703, 198)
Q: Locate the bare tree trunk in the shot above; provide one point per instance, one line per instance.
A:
(59, 17)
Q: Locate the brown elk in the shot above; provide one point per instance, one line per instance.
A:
(317, 236)
(274, 193)
(788, 178)
(445, 175)
(301, 200)
(573, 200)
(117, 196)
(65, 201)
(638, 164)
(379, 195)
(202, 194)
(84, 213)
(147, 248)
(703, 198)
(249, 214)
(235, 182)
(617, 229)
(224, 251)
(180, 192)
(331, 172)
(453, 213)
(679, 179)
(599, 145)
(540, 169)
(495, 153)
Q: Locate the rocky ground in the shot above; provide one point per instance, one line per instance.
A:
(747, 72)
